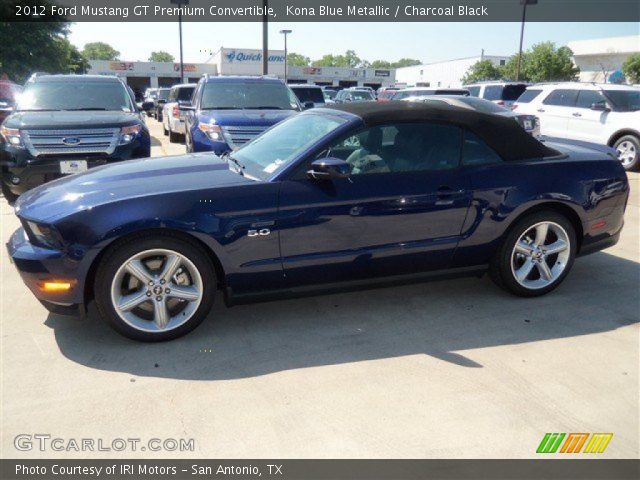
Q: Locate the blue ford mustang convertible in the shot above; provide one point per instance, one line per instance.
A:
(343, 196)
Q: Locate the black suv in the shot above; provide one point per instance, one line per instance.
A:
(64, 124)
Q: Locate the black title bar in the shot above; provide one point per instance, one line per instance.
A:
(320, 10)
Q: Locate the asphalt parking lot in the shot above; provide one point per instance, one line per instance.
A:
(437, 370)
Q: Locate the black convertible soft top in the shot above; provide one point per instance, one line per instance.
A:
(502, 134)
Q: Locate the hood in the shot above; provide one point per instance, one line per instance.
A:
(258, 118)
(71, 119)
(126, 180)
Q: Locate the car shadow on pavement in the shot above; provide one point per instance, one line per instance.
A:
(441, 319)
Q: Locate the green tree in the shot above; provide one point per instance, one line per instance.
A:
(405, 62)
(631, 68)
(100, 51)
(349, 60)
(481, 71)
(43, 47)
(381, 64)
(544, 62)
(297, 60)
(161, 56)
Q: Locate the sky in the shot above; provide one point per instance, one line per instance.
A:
(427, 42)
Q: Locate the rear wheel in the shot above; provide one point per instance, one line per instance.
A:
(628, 148)
(155, 288)
(173, 136)
(536, 255)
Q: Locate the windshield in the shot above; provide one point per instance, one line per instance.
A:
(184, 94)
(329, 94)
(361, 95)
(281, 144)
(247, 95)
(624, 100)
(309, 94)
(163, 94)
(75, 96)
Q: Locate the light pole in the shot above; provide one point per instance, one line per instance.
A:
(524, 4)
(180, 3)
(265, 38)
(285, 33)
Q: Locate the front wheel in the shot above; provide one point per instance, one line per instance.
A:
(536, 255)
(173, 136)
(155, 288)
(628, 148)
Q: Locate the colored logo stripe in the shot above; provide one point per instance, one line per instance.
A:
(574, 442)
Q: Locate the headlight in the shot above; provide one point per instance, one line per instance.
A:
(43, 234)
(128, 134)
(11, 136)
(214, 132)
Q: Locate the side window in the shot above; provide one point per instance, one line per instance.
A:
(474, 91)
(401, 147)
(562, 98)
(476, 152)
(586, 98)
(493, 92)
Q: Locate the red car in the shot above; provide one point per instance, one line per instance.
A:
(8, 92)
(385, 94)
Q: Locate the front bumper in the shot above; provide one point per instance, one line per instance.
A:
(22, 172)
(37, 265)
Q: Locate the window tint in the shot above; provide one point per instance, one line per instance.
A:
(476, 152)
(247, 95)
(185, 94)
(586, 98)
(562, 98)
(401, 148)
(512, 92)
(624, 100)
(493, 92)
(474, 91)
(528, 95)
(309, 94)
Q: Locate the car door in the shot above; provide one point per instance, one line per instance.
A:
(400, 211)
(555, 112)
(587, 124)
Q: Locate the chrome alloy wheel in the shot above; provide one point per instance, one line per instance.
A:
(156, 290)
(626, 152)
(540, 255)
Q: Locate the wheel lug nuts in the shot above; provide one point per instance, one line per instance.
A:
(162, 282)
(167, 291)
(159, 298)
(150, 283)
(148, 294)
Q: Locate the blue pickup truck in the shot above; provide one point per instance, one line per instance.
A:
(227, 112)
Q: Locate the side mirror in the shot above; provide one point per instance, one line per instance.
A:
(600, 107)
(329, 168)
(308, 105)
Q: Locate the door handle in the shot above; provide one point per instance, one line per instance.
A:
(541, 110)
(576, 114)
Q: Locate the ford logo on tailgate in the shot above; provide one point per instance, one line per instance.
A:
(71, 140)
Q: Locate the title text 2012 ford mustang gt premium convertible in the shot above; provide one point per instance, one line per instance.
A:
(344, 195)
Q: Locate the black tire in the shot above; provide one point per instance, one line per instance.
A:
(164, 130)
(634, 165)
(9, 196)
(174, 137)
(122, 251)
(500, 269)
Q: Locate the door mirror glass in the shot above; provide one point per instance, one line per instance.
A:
(329, 168)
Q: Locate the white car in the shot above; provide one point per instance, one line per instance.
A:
(427, 91)
(172, 118)
(500, 93)
(598, 113)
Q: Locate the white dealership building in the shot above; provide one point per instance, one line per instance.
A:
(601, 58)
(444, 74)
(238, 61)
